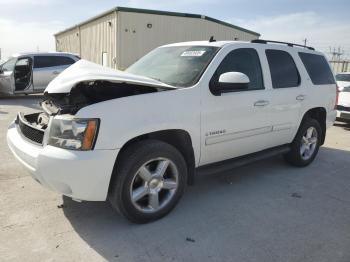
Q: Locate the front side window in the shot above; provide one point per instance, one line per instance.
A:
(284, 72)
(51, 61)
(243, 60)
(9, 65)
(317, 68)
(179, 66)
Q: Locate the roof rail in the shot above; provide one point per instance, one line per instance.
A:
(262, 41)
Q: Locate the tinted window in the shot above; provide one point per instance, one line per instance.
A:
(284, 72)
(49, 61)
(246, 61)
(343, 77)
(317, 68)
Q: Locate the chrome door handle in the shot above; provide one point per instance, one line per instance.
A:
(261, 103)
(300, 97)
(55, 72)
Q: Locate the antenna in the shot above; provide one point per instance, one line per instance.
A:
(212, 39)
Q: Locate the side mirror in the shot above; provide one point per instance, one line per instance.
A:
(233, 81)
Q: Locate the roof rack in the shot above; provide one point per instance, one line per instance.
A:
(262, 41)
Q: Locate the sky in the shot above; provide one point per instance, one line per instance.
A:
(29, 25)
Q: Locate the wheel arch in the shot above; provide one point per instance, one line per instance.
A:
(178, 138)
(319, 114)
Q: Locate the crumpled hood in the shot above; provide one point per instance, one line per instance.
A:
(87, 71)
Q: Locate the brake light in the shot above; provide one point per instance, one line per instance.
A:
(337, 91)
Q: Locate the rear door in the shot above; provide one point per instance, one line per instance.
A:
(287, 93)
(47, 67)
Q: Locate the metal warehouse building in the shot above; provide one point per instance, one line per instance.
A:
(120, 36)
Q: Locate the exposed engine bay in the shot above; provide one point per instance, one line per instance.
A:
(84, 94)
(87, 93)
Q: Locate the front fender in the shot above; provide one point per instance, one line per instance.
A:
(123, 119)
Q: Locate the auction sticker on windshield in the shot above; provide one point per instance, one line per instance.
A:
(193, 53)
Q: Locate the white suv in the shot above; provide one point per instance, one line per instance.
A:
(343, 107)
(138, 137)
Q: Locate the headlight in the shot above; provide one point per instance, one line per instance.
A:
(74, 134)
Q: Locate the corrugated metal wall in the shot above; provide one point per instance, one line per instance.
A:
(135, 39)
(68, 41)
(123, 37)
(99, 36)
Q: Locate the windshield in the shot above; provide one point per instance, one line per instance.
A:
(179, 66)
(343, 77)
(9, 65)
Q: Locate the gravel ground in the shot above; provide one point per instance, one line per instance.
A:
(266, 211)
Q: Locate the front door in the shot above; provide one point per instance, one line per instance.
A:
(6, 76)
(23, 74)
(235, 123)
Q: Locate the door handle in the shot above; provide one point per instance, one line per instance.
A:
(261, 103)
(55, 72)
(300, 97)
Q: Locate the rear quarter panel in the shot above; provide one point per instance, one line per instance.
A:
(316, 95)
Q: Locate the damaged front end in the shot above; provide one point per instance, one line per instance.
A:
(81, 85)
(91, 92)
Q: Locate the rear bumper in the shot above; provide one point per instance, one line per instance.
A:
(331, 118)
(343, 115)
(83, 175)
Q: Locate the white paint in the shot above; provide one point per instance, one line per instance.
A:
(195, 110)
(86, 71)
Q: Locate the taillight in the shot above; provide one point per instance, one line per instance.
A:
(337, 90)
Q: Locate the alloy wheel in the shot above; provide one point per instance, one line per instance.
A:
(308, 143)
(154, 185)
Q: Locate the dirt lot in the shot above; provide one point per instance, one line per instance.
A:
(267, 211)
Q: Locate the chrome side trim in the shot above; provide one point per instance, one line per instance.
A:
(281, 127)
(237, 135)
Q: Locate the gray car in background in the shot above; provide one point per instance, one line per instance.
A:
(28, 73)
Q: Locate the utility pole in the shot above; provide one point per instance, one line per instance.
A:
(305, 40)
(336, 53)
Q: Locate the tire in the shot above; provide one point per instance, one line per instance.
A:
(148, 172)
(299, 155)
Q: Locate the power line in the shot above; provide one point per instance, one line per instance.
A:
(336, 53)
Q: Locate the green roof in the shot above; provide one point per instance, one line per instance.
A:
(157, 12)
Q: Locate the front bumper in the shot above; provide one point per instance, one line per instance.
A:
(83, 175)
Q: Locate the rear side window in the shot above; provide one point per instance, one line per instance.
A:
(284, 72)
(50, 61)
(317, 68)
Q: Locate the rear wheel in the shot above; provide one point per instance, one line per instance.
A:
(149, 181)
(306, 143)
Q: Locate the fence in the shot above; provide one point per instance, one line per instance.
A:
(340, 66)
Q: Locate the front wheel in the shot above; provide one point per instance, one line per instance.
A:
(149, 181)
(306, 143)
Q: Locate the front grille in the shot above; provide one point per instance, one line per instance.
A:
(34, 134)
(343, 108)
